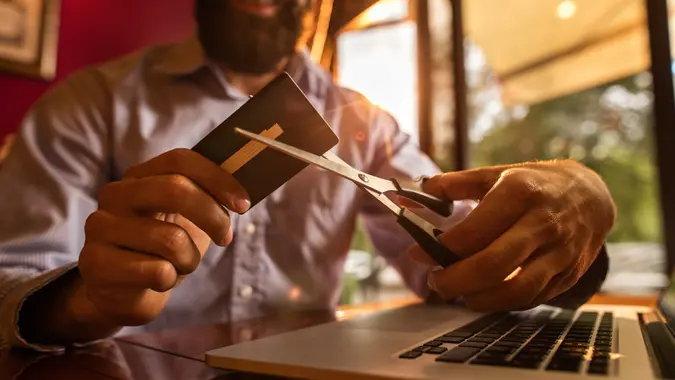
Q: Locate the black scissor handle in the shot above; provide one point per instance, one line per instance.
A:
(426, 235)
(413, 191)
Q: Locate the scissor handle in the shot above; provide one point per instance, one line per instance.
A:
(413, 191)
(426, 235)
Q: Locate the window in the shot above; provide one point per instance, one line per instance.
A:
(376, 55)
(380, 61)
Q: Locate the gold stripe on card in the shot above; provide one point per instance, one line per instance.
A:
(250, 150)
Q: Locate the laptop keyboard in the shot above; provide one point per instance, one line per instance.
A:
(556, 341)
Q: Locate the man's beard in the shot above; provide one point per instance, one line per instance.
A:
(248, 43)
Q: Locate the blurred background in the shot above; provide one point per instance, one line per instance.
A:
(474, 82)
(543, 79)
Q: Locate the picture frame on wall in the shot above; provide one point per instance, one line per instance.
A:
(29, 37)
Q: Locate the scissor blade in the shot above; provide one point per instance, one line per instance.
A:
(382, 198)
(371, 182)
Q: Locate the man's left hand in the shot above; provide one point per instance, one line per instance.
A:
(536, 230)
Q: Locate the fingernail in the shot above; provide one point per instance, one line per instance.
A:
(242, 204)
(429, 280)
(430, 283)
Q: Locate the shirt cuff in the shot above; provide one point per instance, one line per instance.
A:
(23, 287)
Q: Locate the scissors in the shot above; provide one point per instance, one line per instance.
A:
(424, 233)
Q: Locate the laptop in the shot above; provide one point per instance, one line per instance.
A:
(450, 342)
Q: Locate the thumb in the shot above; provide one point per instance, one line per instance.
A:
(471, 184)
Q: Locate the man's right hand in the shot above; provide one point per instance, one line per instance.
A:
(151, 229)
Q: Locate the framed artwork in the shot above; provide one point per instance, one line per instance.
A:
(29, 37)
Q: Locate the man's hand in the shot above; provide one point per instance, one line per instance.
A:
(536, 230)
(152, 228)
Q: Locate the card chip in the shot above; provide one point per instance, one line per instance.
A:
(250, 150)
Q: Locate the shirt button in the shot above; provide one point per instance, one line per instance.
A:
(245, 291)
(250, 229)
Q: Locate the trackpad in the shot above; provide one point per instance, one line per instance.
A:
(415, 318)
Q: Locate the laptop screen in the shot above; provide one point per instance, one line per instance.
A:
(664, 133)
(667, 303)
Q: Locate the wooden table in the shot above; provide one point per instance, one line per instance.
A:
(179, 354)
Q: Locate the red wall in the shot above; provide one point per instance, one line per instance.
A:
(92, 31)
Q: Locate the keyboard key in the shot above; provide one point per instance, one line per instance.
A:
(513, 339)
(572, 349)
(421, 348)
(539, 345)
(492, 355)
(481, 340)
(569, 355)
(410, 355)
(597, 368)
(507, 344)
(501, 349)
(574, 344)
(535, 350)
(433, 343)
(529, 357)
(525, 363)
(458, 354)
(518, 335)
(493, 330)
(600, 359)
(435, 350)
(488, 336)
(566, 364)
(474, 345)
(450, 339)
(480, 324)
(490, 361)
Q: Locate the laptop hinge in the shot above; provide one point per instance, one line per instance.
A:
(661, 341)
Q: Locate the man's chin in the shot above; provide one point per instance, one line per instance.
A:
(250, 66)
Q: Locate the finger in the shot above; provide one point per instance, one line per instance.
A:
(107, 266)
(519, 292)
(406, 202)
(202, 171)
(167, 194)
(490, 266)
(565, 280)
(145, 235)
(503, 205)
(471, 184)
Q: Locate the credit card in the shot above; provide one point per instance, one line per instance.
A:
(279, 111)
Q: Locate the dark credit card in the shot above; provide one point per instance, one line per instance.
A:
(280, 111)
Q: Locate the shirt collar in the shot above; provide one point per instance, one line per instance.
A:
(187, 57)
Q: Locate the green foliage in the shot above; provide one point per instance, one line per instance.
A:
(350, 287)
(361, 241)
(608, 128)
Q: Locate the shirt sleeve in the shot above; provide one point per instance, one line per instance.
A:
(395, 155)
(48, 186)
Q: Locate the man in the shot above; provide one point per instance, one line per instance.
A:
(110, 225)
